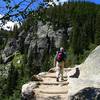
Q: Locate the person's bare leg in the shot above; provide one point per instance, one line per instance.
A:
(57, 72)
(62, 70)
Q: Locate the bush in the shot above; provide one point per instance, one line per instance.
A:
(18, 60)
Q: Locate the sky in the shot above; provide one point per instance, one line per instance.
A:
(33, 6)
(9, 25)
(13, 2)
(3, 10)
(22, 6)
(95, 1)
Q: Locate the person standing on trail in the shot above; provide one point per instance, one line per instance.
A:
(59, 63)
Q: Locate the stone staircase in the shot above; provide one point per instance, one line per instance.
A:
(49, 89)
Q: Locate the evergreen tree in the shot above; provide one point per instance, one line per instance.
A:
(15, 30)
(97, 35)
(12, 80)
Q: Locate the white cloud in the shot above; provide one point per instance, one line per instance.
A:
(1, 16)
(57, 2)
(9, 25)
(61, 1)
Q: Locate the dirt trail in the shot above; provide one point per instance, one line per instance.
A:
(49, 89)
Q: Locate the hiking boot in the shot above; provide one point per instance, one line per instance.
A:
(57, 79)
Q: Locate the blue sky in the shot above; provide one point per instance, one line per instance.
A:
(95, 1)
(3, 9)
(13, 2)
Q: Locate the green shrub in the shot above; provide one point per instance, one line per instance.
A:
(18, 60)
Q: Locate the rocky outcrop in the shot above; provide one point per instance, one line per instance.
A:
(36, 78)
(44, 30)
(27, 92)
(45, 40)
(76, 74)
(89, 75)
(35, 43)
(89, 93)
(10, 47)
(21, 38)
(9, 50)
(38, 49)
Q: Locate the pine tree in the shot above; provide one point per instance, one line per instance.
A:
(15, 30)
(97, 35)
(12, 80)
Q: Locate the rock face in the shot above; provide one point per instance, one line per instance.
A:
(27, 92)
(43, 30)
(90, 68)
(45, 40)
(38, 48)
(35, 43)
(10, 48)
(89, 93)
(89, 74)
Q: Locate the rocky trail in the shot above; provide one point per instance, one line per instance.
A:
(77, 82)
(50, 89)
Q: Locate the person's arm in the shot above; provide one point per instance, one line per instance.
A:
(54, 61)
(64, 59)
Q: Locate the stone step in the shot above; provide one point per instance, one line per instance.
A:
(53, 83)
(49, 87)
(52, 90)
(44, 96)
(53, 80)
(49, 76)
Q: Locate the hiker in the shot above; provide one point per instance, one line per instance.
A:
(59, 63)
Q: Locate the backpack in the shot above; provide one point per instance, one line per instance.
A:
(59, 57)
